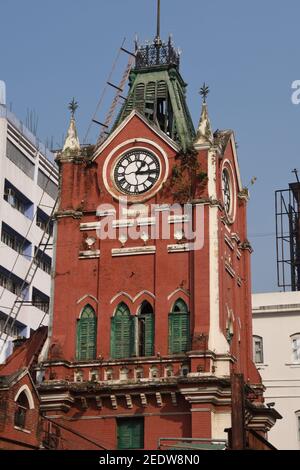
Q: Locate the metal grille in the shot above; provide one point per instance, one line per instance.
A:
(156, 55)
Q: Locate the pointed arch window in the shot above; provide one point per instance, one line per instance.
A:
(179, 328)
(122, 333)
(22, 406)
(145, 331)
(86, 334)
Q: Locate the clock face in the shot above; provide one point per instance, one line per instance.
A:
(136, 172)
(226, 189)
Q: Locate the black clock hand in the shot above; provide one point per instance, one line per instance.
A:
(147, 172)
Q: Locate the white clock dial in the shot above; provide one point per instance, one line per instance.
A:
(136, 172)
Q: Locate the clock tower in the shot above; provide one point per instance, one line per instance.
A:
(151, 313)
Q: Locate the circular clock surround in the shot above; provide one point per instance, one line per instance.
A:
(114, 156)
(136, 171)
(228, 191)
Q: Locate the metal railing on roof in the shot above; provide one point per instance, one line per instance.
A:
(25, 132)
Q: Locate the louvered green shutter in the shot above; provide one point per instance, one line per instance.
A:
(149, 334)
(130, 433)
(122, 333)
(179, 332)
(86, 335)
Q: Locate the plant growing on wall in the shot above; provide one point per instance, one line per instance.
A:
(186, 177)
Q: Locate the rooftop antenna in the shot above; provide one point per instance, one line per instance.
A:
(157, 39)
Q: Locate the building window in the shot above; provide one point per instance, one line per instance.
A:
(40, 300)
(130, 433)
(13, 283)
(45, 183)
(258, 353)
(42, 260)
(22, 406)
(10, 327)
(86, 334)
(146, 330)
(17, 200)
(122, 333)
(179, 328)
(19, 159)
(295, 347)
(43, 222)
(15, 241)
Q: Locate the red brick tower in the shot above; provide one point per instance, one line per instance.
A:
(148, 324)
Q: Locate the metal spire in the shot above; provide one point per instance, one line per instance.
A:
(157, 39)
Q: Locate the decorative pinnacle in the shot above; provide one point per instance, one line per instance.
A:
(73, 105)
(204, 91)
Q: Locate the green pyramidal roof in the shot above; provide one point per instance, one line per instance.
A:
(157, 91)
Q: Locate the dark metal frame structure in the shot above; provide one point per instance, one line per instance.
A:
(287, 216)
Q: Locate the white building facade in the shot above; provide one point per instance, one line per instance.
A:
(28, 190)
(276, 346)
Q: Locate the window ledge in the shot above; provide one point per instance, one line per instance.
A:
(293, 364)
(261, 365)
(22, 429)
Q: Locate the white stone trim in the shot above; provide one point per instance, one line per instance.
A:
(227, 166)
(162, 208)
(175, 219)
(217, 341)
(137, 250)
(177, 291)
(133, 113)
(85, 297)
(142, 221)
(236, 164)
(90, 226)
(89, 254)
(105, 213)
(180, 247)
(123, 223)
(28, 394)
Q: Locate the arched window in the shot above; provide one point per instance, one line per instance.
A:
(295, 347)
(258, 351)
(86, 334)
(122, 333)
(22, 406)
(146, 330)
(179, 328)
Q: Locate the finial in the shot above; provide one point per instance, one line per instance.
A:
(157, 39)
(73, 105)
(204, 91)
(204, 134)
(72, 143)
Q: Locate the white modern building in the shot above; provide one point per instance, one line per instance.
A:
(276, 346)
(28, 190)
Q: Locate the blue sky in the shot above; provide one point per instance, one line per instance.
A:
(248, 53)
